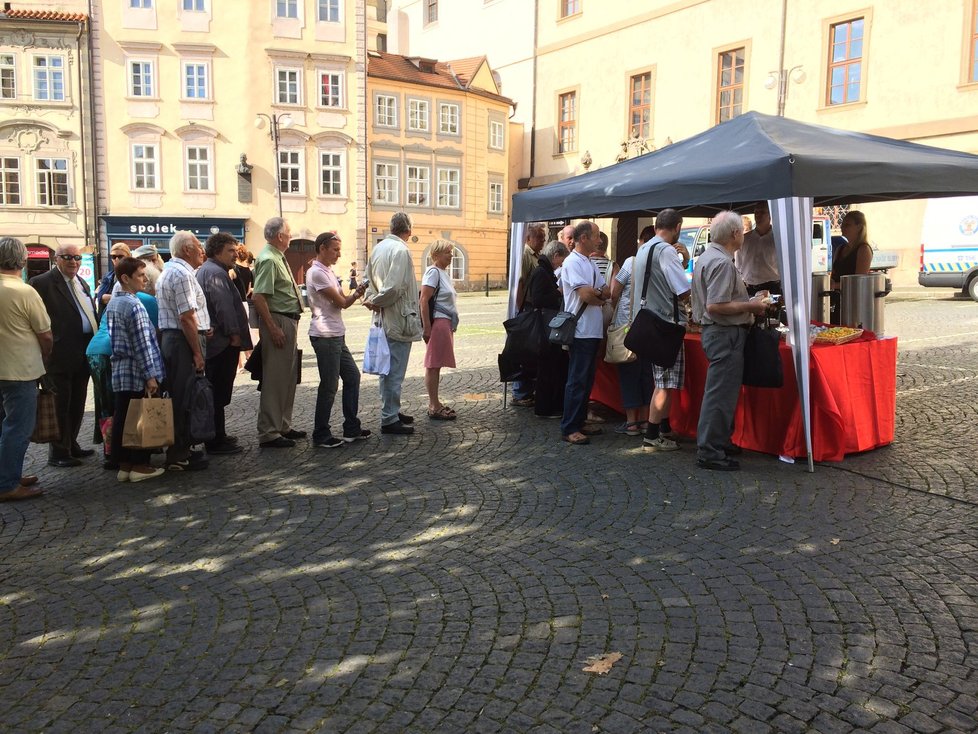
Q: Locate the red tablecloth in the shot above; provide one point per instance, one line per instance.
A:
(853, 401)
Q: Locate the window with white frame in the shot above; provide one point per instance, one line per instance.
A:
(9, 181)
(495, 197)
(8, 77)
(448, 119)
(456, 270)
(418, 115)
(386, 110)
(331, 173)
(141, 79)
(287, 8)
(49, 78)
(329, 11)
(140, 3)
(288, 85)
(145, 173)
(386, 183)
(199, 168)
(52, 181)
(449, 187)
(194, 6)
(195, 84)
(496, 134)
(331, 89)
(418, 185)
(290, 176)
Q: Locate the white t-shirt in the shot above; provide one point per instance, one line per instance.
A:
(576, 272)
(327, 317)
(446, 294)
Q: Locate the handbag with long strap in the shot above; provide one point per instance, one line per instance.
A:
(652, 337)
(762, 358)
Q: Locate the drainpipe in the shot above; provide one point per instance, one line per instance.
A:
(81, 137)
(93, 142)
(533, 108)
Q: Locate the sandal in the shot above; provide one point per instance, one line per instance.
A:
(592, 431)
(576, 439)
(444, 413)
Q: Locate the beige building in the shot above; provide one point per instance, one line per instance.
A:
(615, 78)
(47, 182)
(218, 114)
(439, 142)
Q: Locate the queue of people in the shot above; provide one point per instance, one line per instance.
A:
(153, 327)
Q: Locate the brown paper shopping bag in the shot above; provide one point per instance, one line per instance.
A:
(149, 424)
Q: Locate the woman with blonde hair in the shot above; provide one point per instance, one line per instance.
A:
(439, 317)
(856, 256)
(103, 295)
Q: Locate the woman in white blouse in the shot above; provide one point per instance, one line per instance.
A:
(439, 317)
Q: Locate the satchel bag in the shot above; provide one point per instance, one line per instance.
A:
(563, 326)
(377, 353)
(762, 358)
(46, 428)
(149, 423)
(652, 337)
(616, 351)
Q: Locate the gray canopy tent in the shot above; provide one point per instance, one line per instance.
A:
(793, 165)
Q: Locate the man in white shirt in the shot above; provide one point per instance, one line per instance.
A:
(757, 260)
(185, 325)
(582, 285)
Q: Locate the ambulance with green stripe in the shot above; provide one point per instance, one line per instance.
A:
(949, 245)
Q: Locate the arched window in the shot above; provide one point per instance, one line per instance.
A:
(457, 270)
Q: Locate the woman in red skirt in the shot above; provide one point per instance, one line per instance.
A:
(439, 316)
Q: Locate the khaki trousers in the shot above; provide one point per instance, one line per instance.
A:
(279, 368)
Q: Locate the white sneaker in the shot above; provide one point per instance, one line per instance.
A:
(660, 444)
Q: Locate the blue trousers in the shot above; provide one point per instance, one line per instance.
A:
(18, 409)
(580, 379)
(390, 384)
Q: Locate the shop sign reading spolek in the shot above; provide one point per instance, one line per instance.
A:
(141, 229)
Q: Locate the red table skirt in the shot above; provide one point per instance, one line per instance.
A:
(853, 401)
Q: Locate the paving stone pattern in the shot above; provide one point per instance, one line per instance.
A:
(458, 580)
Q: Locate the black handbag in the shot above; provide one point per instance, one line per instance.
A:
(651, 337)
(526, 335)
(564, 325)
(762, 358)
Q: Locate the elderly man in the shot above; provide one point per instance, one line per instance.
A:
(535, 240)
(69, 303)
(25, 332)
(229, 320)
(276, 299)
(721, 305)
(566, 237)
(757, 260)
(667, 287)
(585, 291)
(185, 325)
(392, 290)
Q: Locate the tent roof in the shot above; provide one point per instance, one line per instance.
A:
(753, 157)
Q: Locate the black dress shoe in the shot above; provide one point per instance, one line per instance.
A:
(225, 447)
(79, 453)
(110, 465)
(397, 428)
(405, 419)
(278, 443)
(64, 462)
(294, 434)
(718, 464)
(733, 450)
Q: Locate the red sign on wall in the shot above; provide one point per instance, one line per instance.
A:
(38, 252)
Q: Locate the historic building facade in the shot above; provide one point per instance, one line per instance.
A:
(438, 149)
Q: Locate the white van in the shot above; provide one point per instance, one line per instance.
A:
(949, 245)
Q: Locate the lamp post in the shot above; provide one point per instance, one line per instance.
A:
(780, 78)
(275, 122)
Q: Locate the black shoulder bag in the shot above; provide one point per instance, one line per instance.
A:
(651, 337)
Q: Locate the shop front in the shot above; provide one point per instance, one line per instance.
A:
(138, 231)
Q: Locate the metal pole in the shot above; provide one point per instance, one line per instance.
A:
(487, 285)
(277, 177)
(782, 75)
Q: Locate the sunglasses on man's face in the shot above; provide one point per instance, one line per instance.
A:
(118, 257)
(76, 258)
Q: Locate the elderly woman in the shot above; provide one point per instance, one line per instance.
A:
(119, 251)
(542, 292)
(439, 319)
(137, 367)
(634, 378)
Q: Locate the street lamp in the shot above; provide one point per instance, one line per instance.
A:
(780, 78)
(275, 123)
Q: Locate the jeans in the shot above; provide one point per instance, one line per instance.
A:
(18, 409)
(390, 384)
(635, 383)
(220, 370)
(524, 388)
(335, 362)
(724, 348)
(580, 379)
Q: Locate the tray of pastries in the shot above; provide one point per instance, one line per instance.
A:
(837, 335)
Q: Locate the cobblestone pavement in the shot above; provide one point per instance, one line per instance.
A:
(459, 580)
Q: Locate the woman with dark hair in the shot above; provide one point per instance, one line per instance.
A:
(542, 292)
(328, 336)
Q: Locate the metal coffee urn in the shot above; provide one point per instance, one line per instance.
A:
(862, 301)
(820, 297)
